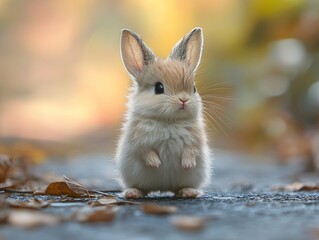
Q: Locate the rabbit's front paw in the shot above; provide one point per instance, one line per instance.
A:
(133, 193)
(188, 160)
(189, 193)
(152, 160)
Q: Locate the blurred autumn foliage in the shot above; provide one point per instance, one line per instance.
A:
(62, 79)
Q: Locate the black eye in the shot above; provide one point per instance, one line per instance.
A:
(195, 89)
(159, 88)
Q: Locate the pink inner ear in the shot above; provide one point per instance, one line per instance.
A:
(189, 54)
(136, 54)
(132, 55)
(194, 52)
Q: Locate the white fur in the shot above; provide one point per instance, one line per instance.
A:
(163, 148)
(169, 141)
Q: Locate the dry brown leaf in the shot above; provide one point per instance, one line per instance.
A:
(103, 202)
(157, 209)
(7, 184)
(39, 192)
(5, 165)
(188, 223)
(31, 219)
(76, 187)
(107, 201)
(4, 210)
(60, 188)
(315, 233)
(96, 214)
(28, 186)
(69, 187)
(297, 187)
(111, 201)
(117, 202)
(31, 204)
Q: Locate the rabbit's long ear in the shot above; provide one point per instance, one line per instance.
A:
(189, 48)
(134, 52)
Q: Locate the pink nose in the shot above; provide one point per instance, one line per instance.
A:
(183, 100)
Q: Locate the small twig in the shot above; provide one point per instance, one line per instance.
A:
(17, 191)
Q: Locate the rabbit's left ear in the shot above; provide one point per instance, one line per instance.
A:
(189, 48)
(135, 54)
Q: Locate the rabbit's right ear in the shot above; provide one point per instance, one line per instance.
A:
(134, 52)
(189, 48)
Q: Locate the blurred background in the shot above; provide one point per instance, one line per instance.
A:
(63, 86)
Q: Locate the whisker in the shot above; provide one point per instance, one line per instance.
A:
(221, 111)
(215, 121)
(219, 97)
(210, 104)
(214, 86)
(218, 82)
(231, 121)
(214, 90)
(208, 119)
(221, 108)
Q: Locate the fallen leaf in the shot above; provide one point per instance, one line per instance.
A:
(31, 219)
(297, 187)
(112, 201)
(250, 204)
(315, 233)
(40, 192)
(188, 223)
(4, 210)
(7, 184)
(76, 187)
(27, 186)
(107, 201)
(69, 187)
(60, 188)
(157, 209)
(96, 214)
(5, 165)
(31, 204)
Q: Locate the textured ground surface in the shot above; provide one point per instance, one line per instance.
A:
(238, 205)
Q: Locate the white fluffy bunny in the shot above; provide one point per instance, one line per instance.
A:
(163, 146)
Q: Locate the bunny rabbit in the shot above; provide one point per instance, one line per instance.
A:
(163, 146)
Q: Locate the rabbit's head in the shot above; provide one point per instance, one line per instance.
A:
(163, 89)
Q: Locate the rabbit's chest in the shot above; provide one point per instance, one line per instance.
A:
(171, 144)
(170, 141)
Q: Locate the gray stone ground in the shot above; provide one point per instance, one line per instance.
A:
(239, 204)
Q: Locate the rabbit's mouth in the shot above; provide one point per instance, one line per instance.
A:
(183, 109)
(183, 104)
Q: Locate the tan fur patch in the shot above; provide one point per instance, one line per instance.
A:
(174, 74)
